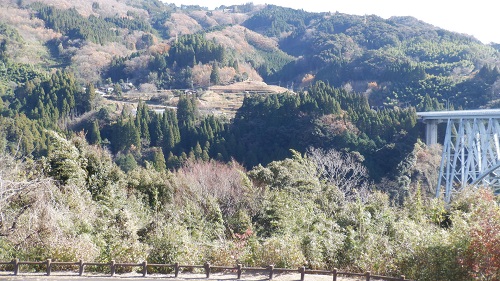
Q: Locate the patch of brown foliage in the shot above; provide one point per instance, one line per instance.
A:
(181, 23)
(33, 33)
(337, 125)
(203, 19)
(33, 214)
(307, 80)
(228, 18)
(252, 86)
(201, 75)
(159, 48)
(242, 39)
(84, 7)
(253, 75)
(92, 58)
(427, 167)
(226, 182)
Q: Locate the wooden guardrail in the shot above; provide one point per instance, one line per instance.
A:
(15, 263)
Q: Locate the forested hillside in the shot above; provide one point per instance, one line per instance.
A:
(330, 173)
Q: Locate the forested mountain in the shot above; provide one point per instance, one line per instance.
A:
(331, 172)
(397, 61)
(354, 82)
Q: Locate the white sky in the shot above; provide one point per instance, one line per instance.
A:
(480, 18)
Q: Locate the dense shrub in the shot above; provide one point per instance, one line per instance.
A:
(287, 214)
(280, 251)
(173, 243)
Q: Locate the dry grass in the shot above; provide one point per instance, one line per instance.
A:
(228, 99)
(217, 102)
(249, 86)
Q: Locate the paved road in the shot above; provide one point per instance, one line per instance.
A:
(96, 277)
(182, 277)
(134, 277)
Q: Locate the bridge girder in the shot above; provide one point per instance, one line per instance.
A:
(471, 150)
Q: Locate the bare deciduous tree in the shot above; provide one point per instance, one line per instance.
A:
(427, 167)
(225, 182)
(343, 170)
(37, 215)
(201, 75)
(226, 74)
(147, 88)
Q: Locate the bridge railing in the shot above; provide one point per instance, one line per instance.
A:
(49, 265)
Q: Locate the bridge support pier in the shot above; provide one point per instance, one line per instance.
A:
(431, 131)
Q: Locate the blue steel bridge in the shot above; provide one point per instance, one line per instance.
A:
(471, 149)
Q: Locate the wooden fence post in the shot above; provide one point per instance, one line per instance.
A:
(271, 272)
(15, 262)
(368, 274)
(207, 269)
(176, 269)
(302, 271)
(144, 268)
(334, 274)
(112, 267)
(81, 267)
(238, 267)
(49, 266)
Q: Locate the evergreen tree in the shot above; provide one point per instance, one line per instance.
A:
(3, 49)
(187, 114)
(132, 135)
(156, 131)
(95, 134)
(159, 160)
(173, 161)
(214, 74)
(186, 111)
(198, 152)
(169, 140)
(65, 160)
(126, 162)
(142, 121)
(86, 100)
(205, 157)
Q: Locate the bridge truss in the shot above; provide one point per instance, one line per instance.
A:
(471, 149)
